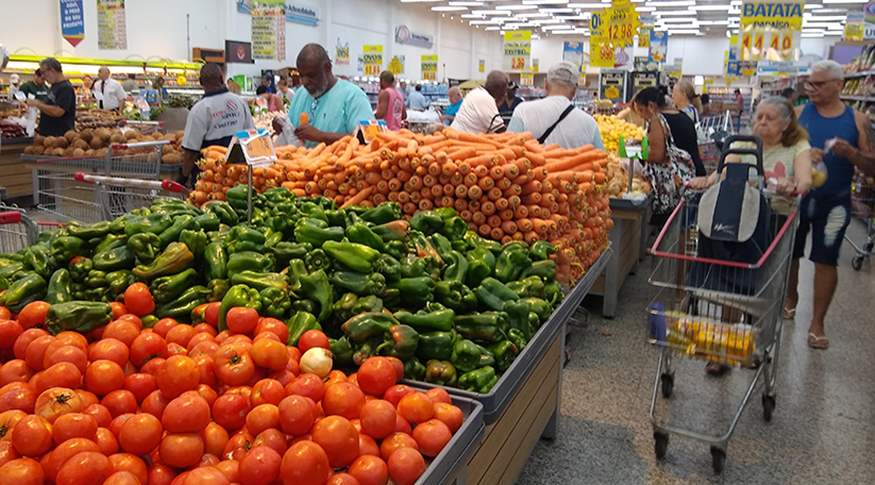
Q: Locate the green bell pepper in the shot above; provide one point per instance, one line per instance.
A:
(91, 231)
(413, 369)
(168, 288)
(516, 336)
(304, 306)
(358, 283)
(426, 221)
(383, 213)
(316, 260)
(38, 259)
(260, 281)
(341, 349)
(244, 238)
(396, 249)
(441, 320)
(424, 248)
(553, 293)
(417, 291)
(441, 372)
(119, 281)
(466, 355)
(223, 211)
(492, 294)
(96, 279)
(317, 288)
(362, 234)
(531, 286)
(110, 241)
(300, 323)
(511, 264)
(296, 269)
(114, 259)
(399, 341)
(79, 268)
(78, 316)
(60, 287)
(218, 289)
(65, 248)
(342, 309)
(208, 221)
(486, 357)
(174, 259)
(504, 353)
(367, 304)
(23, 291)
(141, 212)
(475, 241)
(238, 197)
(541, 250)
(307, 232)
(481, 264)
(454, 228)
(313, 211)
(539, 307)
(392, 231)
(238, 295)
(546, 270)
(180, 223)
(250, 261)
(366, 350)
(215, 262)
(457, 267)
(455, 295)
(389, 267)
(286, 251)
(481, 380)
(486, 326)
(152, 223)
(414, 267)
(274, 301)
(365, 325)
(180, 309)
(195, 240)
(436, 345)
(145, 246)
(356, 257)
(10, 266)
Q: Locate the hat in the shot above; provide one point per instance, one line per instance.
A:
(14, 79)
(564, 72)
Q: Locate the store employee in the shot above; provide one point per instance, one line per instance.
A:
(59, 110)
(212, 121)
(334, 106)
(37, 87)
(109, 93)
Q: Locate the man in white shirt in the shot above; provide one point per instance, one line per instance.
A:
(479, 113)
(108, 92)
(554, 119)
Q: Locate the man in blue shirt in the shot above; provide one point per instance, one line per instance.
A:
(334, 106)
(416, 100)
(455, 95)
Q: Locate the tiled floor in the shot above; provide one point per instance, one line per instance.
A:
(822, 432)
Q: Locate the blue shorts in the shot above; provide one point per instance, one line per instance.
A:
(827, 217)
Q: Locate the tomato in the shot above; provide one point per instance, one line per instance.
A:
(439, 394)
(140, 434)
(140, 385)
(126, 462)
(122, 478)
(22, 398)
(147, 346)
(311, 339)
(163, 326)
(139, 300)
(274, 326)
(237, 446)
(308, 385)
(272, 438)
(15, 370)
(343, 399)
(262, 417)
(124, 331)
(66, 353)
(74, 425)
(234, 367)
(230, 410)
(88, 398)
(208, 393)
(266, 335)
(267, 391)
(406, 465)
(120, 402)
(284, 377)
(174, 349)
(369, 470)
(305, 464)
(188, 413)
(334, 377)
(7, 452)
(9, 331)
(215, 438)
(178, 374)
(432, 436)
(33, 314)
(260, 466)
(402, 426)
(367, 446)
(416, 407)
(153, 366)
(181, 450)
(230, 468)
(118, 422)
(396, 392)
(203, 336)
(160, 475)
(242, 319)
(378, 419)
(376, 375)
(338, 437)
(211, 314)
(85, 468)
(342, 479)
(62, 374)
(154, 404)
(399, 367)
(32, 436)
(449, 415)
(181, 335)
(118, 309)
(297, 414)
(110, 349)
(56, 402)
(25, 339)
(395, 442)
(8, 420)
(103, 377)
(36, 351)
(99, 413)
(270, 354)
(66, 450)
(73, 338)
(22, 471)
(242, 341)
(206, 475)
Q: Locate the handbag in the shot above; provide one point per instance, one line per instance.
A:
(668, 179)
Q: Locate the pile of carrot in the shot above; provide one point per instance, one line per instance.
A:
(506, 186)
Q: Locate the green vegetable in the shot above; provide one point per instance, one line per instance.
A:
(441, 320)
(317, 287)
(541, 250)
(238, 296)
(383, 213)
(540, 307)
(316, 260)
(441, 372)
(297, 269)
(481, 264)
(531, 286)
(504, 352)
(168, 288)
(481, 380)
(38, 259)
(389, 267)
(91, 231)
(455, 295)
(511, 263)
(244, 238)
(367, 304)
(78, 316)
(119, 281)
(516, 336)
(341, 349)
(208, 221)
(174, 259)
(110, 241)
(152, 223)
(23, 291)
(454, 228)
(546, 270)
(362, 234)
(553, 293)
(466, 355)
(306, 232)
(365, 350)
(215, 262)
(145, 246)
(486, 357)
(426, 221)
(223, 211)
(436, 345)
(413, 369)
(300, 323)
(365, 325)
(286, 251)
(250, 261)
(492, 294)
(60, 287)
(356, 257)
(65, 248)
(180, 223)
(457, 267)
(79, 268)
(218, 289)
(274, 301)
(180, 309)
(261, 281)
(392, 231)
(114, 259)
(486, 326)
(195, 240)
(416, 290)
(358, 283)
(400, 341)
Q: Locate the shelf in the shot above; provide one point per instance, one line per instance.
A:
(851, 97)
(860, 74)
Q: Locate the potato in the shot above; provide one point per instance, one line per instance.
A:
(58, 152)
(86, 135)
(89, 153)
(61, 142)
(179, 134)
(39, 140)
(38, 150)
(80, 143)
(49, 142)
(68, 152)
(103, 134)
(117, 138)
(78, 152)
(96, 143)
(132, 134)
(70, 135)
(100, 152)
(28, 150)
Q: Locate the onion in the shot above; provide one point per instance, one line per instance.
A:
(317, 361)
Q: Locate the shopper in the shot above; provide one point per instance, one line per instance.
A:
(334, 106)
(390, 104)
(283, 90)
(87, 84)
(825, 211)
(212, 121)
(416, 100)
(14, 85)
(791, 95)
(158, 85)
(554, 119)
(402, 88)
(511, 101)
(706, 105)
(273, 102)
(449, 114)
(479, 112)
(108, 92)
(130, 84)
(37, 87)
(739, 100)
(267, 82)
(58, 111)
(233, 86)
(685, 99)
(630, 115)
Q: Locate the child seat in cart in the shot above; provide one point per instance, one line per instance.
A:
(719, 288)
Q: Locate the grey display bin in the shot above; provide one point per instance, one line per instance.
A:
(449, 463)
(497, 400)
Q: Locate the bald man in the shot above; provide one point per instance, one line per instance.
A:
(479, 112)
(212, 121)
(334, 106)
(455, 95)
(108, 92)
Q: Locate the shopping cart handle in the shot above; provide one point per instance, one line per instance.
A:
(80, 177)
(172, 186)
(125, 146)
(11, 217)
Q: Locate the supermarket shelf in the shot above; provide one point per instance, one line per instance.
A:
(860, 74)
(850, 97)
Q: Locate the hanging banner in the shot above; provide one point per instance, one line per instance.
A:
(341, 51)
(429, 66)
(573, 53)
(72, 21)
(770, 30)
(373, 59)
(268, 29)
(647, 23)
(404, 35)
(658, 46)
(481, 65)
(854, 25)
(536, 64)
(112, 32)
(517, 50)
(612, 31)
(396, 65)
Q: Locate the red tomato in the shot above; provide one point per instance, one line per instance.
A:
(399, 367)
(99, 413)
(178, 374)
(66, 450)
(110, 349)
(378, 419)
(122, 478)
(270, 354)
(188, 413)
(140, 434)
(125, 331)
(262, 417)
(367, 446)
(7, 452)
(85, 468)
(406, 465)
(439, 394)
(402, 426)
(260, 466)
(130, 317)
(215, 438)
(338, 437)
(396, 441)
(181, 335)
(15, 371)
(343, 399)
(36, 351)
(22, 398)
(206, 475)
(154, 404)
(376, 375)
(126, 462)
(74, 425)
(32, 436)
(234, 367)
(160, 475)
(267, 391)
(146, 347)
(62, 374)
(342, 479)
(67, 353)
(118, 422)
(33, 314)
(396, 392)
(141, 385)
(432, 436)
(308, 385)
(416, 407)
(272, 438)
(120, 402)
(56, 402)
(241, 319)
(305, 464)
(181, 450)
(22, 471)
(297, 414)
(104, 376)
(229, 468)
(153, 366)
(449, 415)
(139, 300)
(311, 339)
(370, 470)
(208, 393)
(24, 340)
(118, 309)
(211, 314)
(274, 326)
(230, 410)
(9, 331)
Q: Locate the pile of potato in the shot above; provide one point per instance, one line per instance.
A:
(94, 143)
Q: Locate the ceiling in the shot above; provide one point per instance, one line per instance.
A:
(678, 17)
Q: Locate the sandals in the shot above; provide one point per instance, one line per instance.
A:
(816, 342)
(789, 313)
(715, 369)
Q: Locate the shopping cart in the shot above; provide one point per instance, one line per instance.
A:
(863, 208)
(60, 195)
(712, 131)
(18, 231)
(719, 311)
(144, 127)
(118, 196)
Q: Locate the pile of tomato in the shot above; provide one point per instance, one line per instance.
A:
(180, 404)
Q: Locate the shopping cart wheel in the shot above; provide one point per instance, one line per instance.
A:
(718, 459)
(661, 440)
(768, 407)
(667, 385)
(857, 262)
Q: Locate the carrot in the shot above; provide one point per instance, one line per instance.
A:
(358, 198)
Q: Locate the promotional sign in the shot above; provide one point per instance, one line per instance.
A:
(658, 46)
(112, 32)
(481, 65)
(536, 63)
(373, 59)
(854, 25)
(770, 30)
(527, 79)
(573, 53)
(268, 29)
(612, 85)
(869, 21)
(612, 31)
(341, 53)
(403, 35)
(72, 21)
(368, 130)
(396, 65)
(517, 50)
(747, 68)
(256, 147)
(301, 14)
(647, 23)
(429, 66)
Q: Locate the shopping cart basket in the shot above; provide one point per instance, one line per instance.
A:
(863, 208)
(18, 231)
(119, 196)
(144, 127)
(719, 311)
(59, 194)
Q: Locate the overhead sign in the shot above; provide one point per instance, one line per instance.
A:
(396, 65)
(854, 25)
(517, 50)
(373, 59)
(112, 31)
(770, 30)
(612, 31)
(658, 46)
(573, 53)
(300, 14)
(72, 21)
(341, 51)
(404, 35)
(429, 67)
(268, 29)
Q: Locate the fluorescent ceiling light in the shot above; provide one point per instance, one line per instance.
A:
(471, 16)
(825, 18)
(711, 8)
(844, 1)
(669, 13)
(556, 10)
(736, 3)
(557, 27)
(545, 2)
(549, 21)
(672, 3)
(684, 32)
(487, 22)
(449, 9)
(420, 1)
(713, 22)
(830, 10)
(679, 20)
(813, 6)
(583, 16)
(490, 12)
(812, 31)
(833, 32)
(516, 7)
(493, 28)
(466, 4)
(532, 15)
(586, 5)
(812, 35)
(818, 25)
(645, 9)
(570, 32)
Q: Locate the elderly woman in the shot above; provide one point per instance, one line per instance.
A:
(685, 98)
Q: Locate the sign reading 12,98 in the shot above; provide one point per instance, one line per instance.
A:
(770, 30)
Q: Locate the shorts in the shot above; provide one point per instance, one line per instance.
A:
(827, 218)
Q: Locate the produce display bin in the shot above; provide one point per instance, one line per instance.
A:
(16, 177)
(497, 400)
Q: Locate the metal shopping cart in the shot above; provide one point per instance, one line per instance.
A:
(712, 131)
(719, 311)
(863, 208)
(59, 194)
(18, 231)
(118, 196)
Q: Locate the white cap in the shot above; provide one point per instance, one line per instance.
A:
(14, 79)
(564, 72)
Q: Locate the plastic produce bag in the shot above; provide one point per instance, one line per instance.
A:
(285, 132)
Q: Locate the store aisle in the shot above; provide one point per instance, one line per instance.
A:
(823, 429)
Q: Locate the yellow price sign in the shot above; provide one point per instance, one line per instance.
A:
(518, 63)
(257, 146)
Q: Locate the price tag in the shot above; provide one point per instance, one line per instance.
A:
(143, 108)
(369, 129)
(256, 147)
(261, 103)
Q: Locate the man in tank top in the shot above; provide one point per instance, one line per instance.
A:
(390, 104)
(825, 211)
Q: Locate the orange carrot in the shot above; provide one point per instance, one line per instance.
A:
(358, 198)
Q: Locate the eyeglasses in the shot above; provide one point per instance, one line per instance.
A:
(819, 84)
